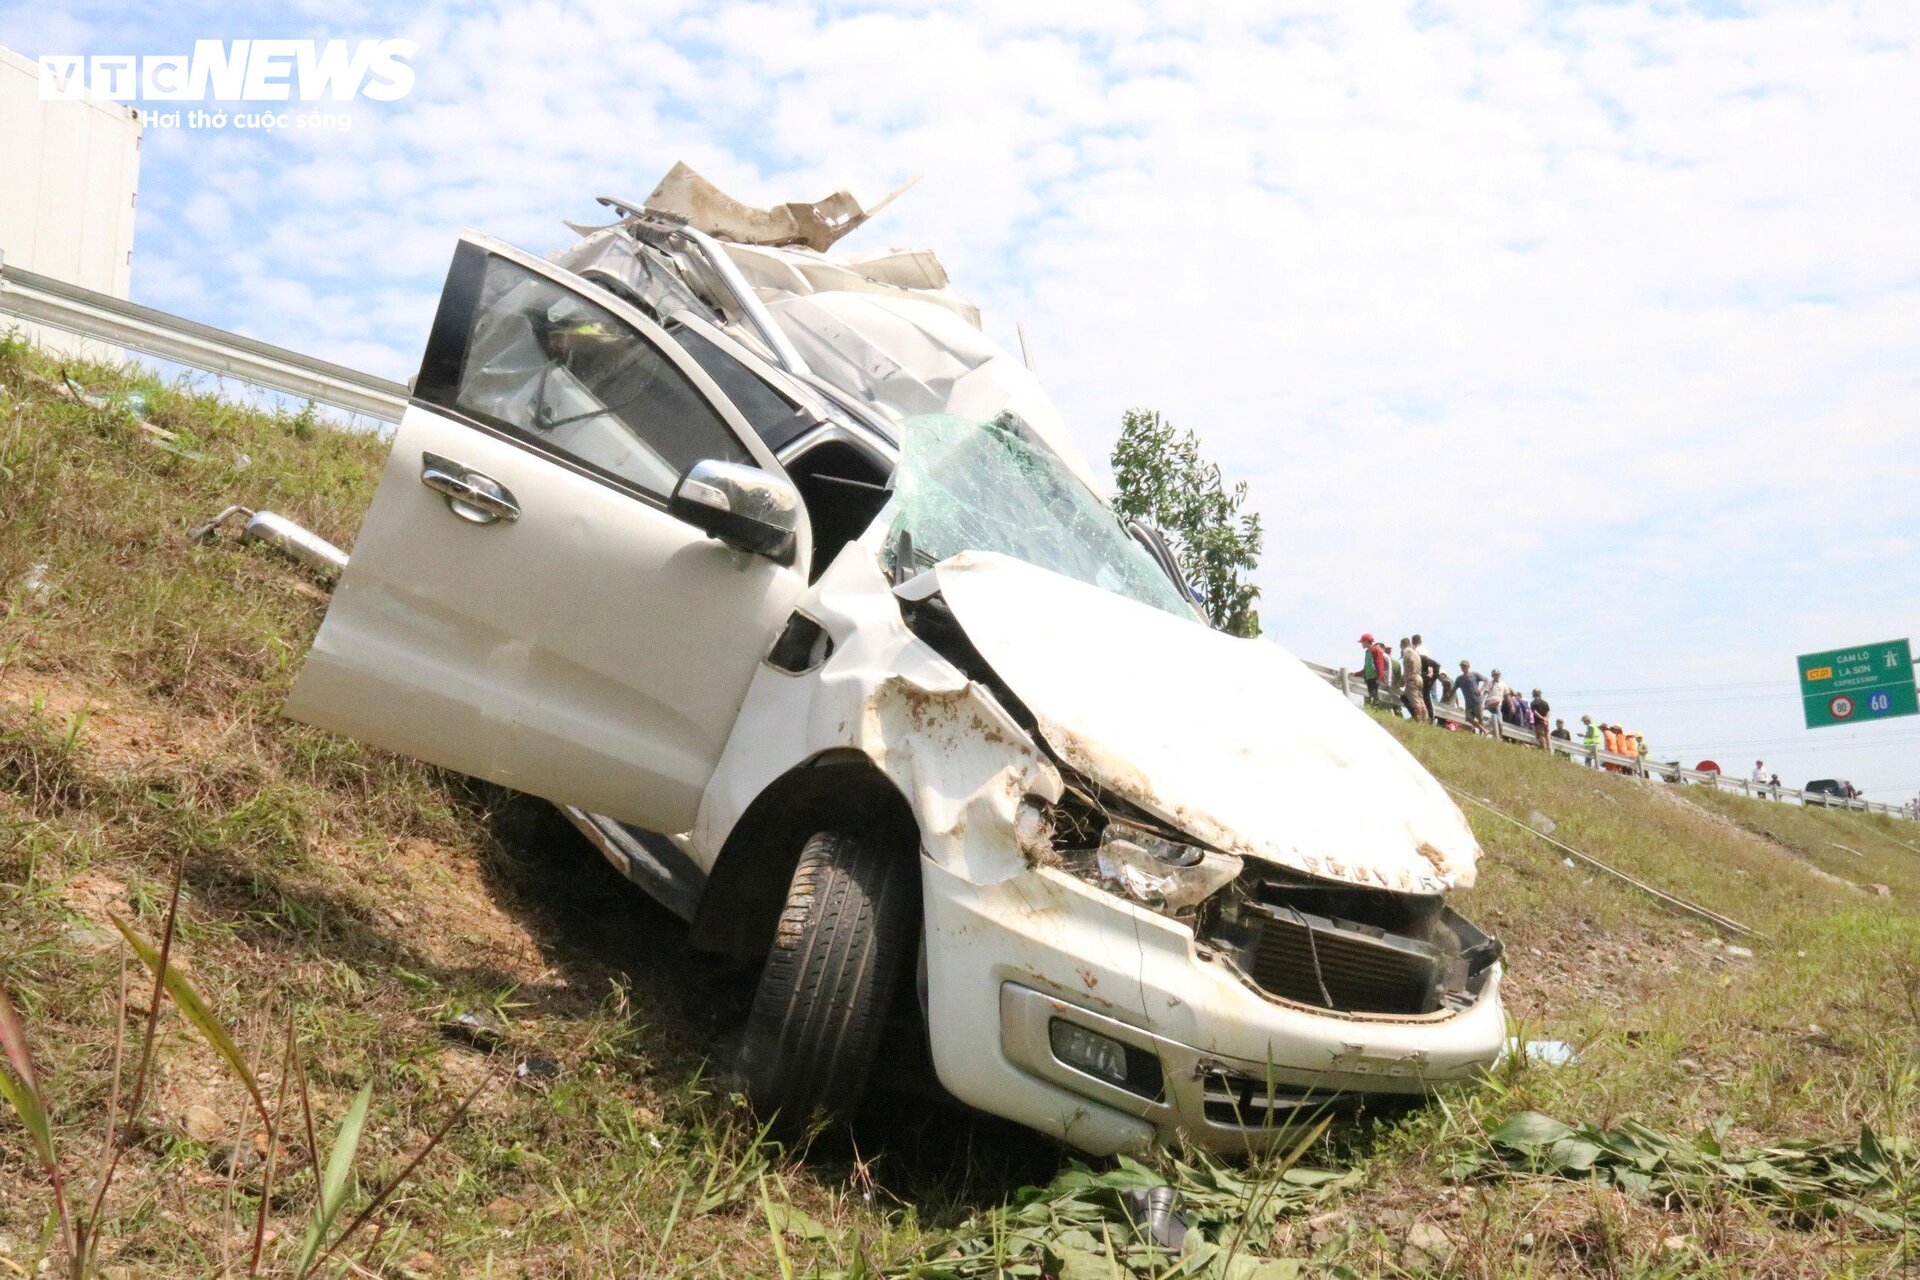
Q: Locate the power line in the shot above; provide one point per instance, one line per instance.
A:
(1665, 700)
(1681, 688)
(1832, 739)
(1827, 744)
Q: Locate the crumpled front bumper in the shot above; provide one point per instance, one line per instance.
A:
(1005, 960)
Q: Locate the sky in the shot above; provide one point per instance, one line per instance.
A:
(1582, 338)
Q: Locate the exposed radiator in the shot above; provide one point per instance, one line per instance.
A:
(1359, 969)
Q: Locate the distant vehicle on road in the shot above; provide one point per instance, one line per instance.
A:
(1837, 788)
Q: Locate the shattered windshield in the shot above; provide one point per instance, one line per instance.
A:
(966, 485)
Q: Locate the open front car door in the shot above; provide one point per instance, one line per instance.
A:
(577, 555)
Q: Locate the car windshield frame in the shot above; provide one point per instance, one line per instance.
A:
(996, 486)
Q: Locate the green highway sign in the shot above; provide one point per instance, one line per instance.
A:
(1866, 682)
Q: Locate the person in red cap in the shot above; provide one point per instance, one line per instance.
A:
(1374, 665)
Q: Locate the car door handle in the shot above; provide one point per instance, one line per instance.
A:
(475, 498)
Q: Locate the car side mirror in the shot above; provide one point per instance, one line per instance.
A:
(742, 506)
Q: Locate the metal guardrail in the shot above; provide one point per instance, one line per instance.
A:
(27, 295)
(1671, 771)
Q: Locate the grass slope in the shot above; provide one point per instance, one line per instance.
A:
(363, 900)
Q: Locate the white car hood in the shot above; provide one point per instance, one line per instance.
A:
(1233, 741)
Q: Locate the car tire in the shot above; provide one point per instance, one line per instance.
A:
(843, 943)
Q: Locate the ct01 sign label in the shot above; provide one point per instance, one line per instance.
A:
(1851, 686)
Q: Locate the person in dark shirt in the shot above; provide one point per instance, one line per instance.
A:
(1560, 731)
(1472, 688)
(1540, 709)
(1430, 672)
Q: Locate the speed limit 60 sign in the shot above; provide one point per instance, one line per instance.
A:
(1867, 682)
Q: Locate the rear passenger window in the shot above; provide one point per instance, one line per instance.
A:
(557, 370)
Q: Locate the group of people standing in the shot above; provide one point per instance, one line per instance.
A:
(1764, 783)
(1423, 685)
(1614, 740)
(1415, 673)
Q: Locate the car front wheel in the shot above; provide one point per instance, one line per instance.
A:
(843, 944)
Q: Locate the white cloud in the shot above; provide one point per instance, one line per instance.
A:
(34, 30)
(1580, 336)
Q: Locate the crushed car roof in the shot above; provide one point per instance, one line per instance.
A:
(884, 328)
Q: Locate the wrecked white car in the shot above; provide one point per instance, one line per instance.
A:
(790, 587)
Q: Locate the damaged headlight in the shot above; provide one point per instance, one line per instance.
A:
(1136, 863)
(1124, 857)
(1158, 872)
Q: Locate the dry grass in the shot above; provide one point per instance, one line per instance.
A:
(367, 898)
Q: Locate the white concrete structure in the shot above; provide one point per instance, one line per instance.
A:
(69, 169)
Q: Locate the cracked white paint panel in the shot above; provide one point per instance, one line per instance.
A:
(961, 761)
(965, 766)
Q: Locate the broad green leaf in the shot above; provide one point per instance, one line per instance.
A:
(193, 1005)
(1874, 1217)
(333, 1182)
(1615, 1142)
(1870, 1149)
(1528, 1130)
(1575, 1155)
(1082, 1264)
(1794, 1177)
(801, 1226)
(1633, 1181)
(1077, 1238)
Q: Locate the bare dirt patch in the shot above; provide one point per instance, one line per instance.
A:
(435, 897)
(1616, 966)
(120, 731)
